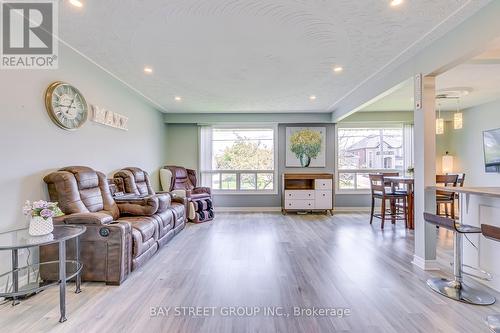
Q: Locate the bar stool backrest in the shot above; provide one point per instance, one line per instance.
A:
(460, 179)
(447, 181)
(389, 174)
(377, 184)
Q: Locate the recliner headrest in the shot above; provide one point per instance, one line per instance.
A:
(85, 177)
(139, 174)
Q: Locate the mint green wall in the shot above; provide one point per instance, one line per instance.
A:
(182, 145)
(218, 118)
(375, 116)
(467, 144)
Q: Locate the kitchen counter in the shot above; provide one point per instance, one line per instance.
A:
(479, 205)
(482, 191)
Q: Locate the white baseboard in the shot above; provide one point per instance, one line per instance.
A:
(351, 209)
(247, 209)
(426, 265)
(278, 209)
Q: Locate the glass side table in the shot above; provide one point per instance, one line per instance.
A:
(20, 239)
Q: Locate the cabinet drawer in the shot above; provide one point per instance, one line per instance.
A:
(323, 200)
(322, 184)
(299, 194)
(299, 204)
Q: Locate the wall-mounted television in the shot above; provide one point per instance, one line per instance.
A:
(491, 141)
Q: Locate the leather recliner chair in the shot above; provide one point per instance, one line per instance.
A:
(182, 182)
(120, 237)
(136, 182)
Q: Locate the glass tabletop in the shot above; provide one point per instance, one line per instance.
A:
(18, 239)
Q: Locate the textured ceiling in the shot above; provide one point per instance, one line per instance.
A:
(481, 75)
(253, 55)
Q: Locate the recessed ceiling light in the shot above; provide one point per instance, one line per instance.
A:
(148, 70)
(312, 97)
(395, 3)
(76, 3)
(338, 69)
(178, 98)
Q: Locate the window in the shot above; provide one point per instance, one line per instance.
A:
(365, 150)
(239, 159)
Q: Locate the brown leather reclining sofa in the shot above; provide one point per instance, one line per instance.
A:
(136, 182)
(182, 182)
(121, 236)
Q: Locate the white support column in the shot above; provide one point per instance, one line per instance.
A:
(425, 175)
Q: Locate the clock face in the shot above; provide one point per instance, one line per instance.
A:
(66, 105)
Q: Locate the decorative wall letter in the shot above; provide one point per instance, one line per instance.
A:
(109, 118)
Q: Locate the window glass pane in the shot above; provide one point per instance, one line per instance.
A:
(265, 181)
(243, 149)
(216, 181)
(393, 157)
(370, 148)
(248, 181)
(362, 181)
(346, 181)
(228, 181)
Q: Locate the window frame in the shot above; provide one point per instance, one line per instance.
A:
(238, 190)
(370, 125)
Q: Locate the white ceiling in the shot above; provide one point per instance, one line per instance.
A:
(253, 55)
(481, 74)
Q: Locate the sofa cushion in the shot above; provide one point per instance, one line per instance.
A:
(179, 211)
(165, 222)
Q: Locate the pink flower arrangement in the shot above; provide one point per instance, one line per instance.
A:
(42, 208)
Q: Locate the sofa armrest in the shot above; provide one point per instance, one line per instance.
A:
(181, 200)
(138, 206)
(198, 190)
(85, 218)
(164, 201)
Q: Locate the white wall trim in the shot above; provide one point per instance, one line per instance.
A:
(247, 209)
(351, 209)
(426, 265)
(278, 209)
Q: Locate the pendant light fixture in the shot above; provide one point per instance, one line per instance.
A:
(458, 121)
(439, 122)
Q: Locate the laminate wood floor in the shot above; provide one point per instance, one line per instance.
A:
(266, 260)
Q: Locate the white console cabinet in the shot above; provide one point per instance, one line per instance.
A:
(307, 192)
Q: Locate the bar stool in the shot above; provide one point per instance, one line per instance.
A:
(379, 191)
(446, 198)
(492, 233)
(456, 289)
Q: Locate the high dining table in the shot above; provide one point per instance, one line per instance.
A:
(409, 184)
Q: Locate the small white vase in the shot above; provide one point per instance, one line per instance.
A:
(40, 226)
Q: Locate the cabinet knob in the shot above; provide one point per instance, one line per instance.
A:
(324, 194)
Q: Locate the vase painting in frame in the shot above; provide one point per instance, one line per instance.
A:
(305, 147)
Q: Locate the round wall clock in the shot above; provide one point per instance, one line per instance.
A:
(66, 106)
